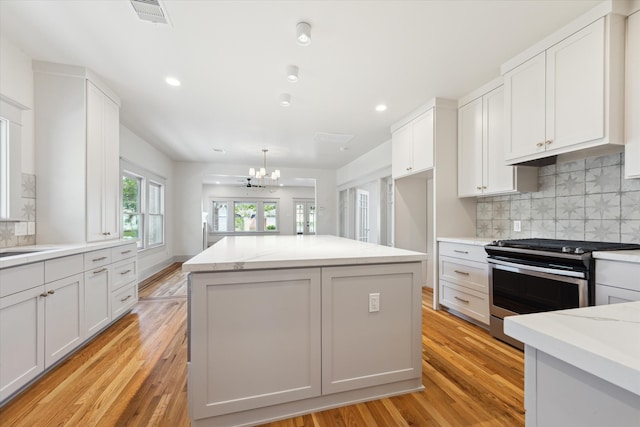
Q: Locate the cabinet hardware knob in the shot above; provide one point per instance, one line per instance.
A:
(549, 142)
(484, 187)
(460, 252)
(539, 144)
(51, 292)
(478, 188)
(99, 259)
(461, 272)
(125, 272)
(99, 271)
(124, 299)
(462, 300)
(44, 294)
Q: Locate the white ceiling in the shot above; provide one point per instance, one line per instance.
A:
(231, 58)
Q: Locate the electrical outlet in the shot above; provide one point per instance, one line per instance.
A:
(517, 225)
(374, 302)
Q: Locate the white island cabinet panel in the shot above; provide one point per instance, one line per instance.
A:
(257, 335)
(362, 346)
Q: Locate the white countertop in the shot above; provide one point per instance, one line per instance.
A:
(478, 241)
(265, 252)
(626, 256)
(49, 251)
(603, 340)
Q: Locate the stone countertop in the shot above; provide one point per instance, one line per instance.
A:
(50, 251)
(266, 252)
(603, 340)
(477, 241)
(626, 256)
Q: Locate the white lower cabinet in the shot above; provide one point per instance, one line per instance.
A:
(464, 280)
(50, 308)
(21, 339)
(63, 313)
(617, 281)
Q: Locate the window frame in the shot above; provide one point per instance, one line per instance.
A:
(148, 179)
(260, 216)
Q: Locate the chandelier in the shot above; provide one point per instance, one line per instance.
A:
(264, 178)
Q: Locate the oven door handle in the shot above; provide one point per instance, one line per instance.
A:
(515, 267)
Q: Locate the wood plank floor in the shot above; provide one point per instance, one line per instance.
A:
(135, 374)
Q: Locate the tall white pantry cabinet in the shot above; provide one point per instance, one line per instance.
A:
(77, 155)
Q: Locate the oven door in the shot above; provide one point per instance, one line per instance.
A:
(520, 289)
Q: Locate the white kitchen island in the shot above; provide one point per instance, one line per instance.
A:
(281, 326)
(582, 366)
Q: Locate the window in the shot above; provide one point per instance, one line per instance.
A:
(132, 207)
(142, 206)
(249, 216)
(4, 168)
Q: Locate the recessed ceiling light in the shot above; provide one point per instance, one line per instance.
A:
(381, 107)
(292, 73)
(285, 99)
(344, 148)
(172, 81)
(303, 33)
(218, 182)
(220, 150)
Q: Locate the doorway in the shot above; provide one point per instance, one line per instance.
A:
(305, 216)
(362, 215)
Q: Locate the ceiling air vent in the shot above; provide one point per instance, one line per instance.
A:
(332, 138)
(150, 10)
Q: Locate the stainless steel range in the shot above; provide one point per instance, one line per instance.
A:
(535, 275)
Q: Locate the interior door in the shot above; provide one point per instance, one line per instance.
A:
(362, 215)
(305, 216)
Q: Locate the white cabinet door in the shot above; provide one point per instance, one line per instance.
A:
(575, 88)
(97, 299)
(64, 317)
(497, 177)
(401, 151)
(470, 151)
(422, 142)
(632, 99)
(254, 339)
(524, 88)
(102, 166)
(21, 339)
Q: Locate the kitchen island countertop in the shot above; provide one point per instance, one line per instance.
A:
(259, 252)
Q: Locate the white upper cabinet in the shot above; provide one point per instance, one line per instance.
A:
(567, 97)
(481, 147)
(412, 146)
(632, 130)
(77, 155)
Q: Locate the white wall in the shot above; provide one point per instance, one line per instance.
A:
(284, 196)
(372, 164)
(139, 152)
(16, 85)
(188, 180)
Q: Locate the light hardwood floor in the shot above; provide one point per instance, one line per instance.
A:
(135, 374)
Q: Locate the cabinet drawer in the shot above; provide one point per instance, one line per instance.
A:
(462, 251)
(470, 274)
(124, 272)
(122, 252)
(619, 274)
(59, 268)
(97, 259)
(123, 299)
(473, 304)
(23, 277)
(612, 295)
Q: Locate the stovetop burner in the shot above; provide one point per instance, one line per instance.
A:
(578, 247)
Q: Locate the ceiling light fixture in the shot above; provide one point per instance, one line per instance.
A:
(172, 81)
(381, 107)
(265, 179)
(303, 33)
(285, 99)
(292, 73)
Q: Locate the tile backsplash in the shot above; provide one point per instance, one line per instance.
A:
(586, 199)
(22, 232)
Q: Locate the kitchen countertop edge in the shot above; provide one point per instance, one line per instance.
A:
(626, 256)
(477, 241)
